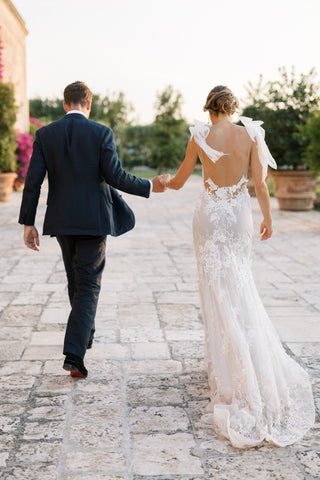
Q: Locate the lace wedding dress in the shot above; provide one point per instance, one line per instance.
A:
(257, 391)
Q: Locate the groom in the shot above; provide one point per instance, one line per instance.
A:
(81, 161)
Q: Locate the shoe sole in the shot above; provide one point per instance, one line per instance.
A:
(74, 372)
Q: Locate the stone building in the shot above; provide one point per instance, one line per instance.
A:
(13, 34)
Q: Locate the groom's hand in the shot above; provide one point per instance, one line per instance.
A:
(157, 184)
(31, 237)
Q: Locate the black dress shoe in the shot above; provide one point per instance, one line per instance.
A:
(75, 366)
(90, 344)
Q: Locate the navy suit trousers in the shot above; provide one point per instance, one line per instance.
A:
(84, 261)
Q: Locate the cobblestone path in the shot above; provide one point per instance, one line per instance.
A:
(137, 416)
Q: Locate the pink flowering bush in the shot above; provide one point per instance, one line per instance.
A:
(34, 125)
(36, 122)
(23, 155)
(24, 151)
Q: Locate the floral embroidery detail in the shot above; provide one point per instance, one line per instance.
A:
(225, 250)
(257, 391)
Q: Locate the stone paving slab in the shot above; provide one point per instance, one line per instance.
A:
(138, 414)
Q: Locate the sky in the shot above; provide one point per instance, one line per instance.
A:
(141, 46)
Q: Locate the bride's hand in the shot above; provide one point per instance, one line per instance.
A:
(265, 229)
(165, 179)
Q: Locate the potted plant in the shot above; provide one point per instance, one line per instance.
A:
(8, 164)
(284, 106)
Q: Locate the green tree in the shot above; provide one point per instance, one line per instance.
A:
(284, 105)
(256, 94)
(47, 110)
(168, 137)
(311, 134)
(8, 117)
(112, 109)
(135, 142)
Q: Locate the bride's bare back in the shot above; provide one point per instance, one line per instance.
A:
(225, 151)
(235, 143)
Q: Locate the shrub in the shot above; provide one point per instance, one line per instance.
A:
(23, 154)
(7, 159)
(7, 132)
(284, 105)
(34, 125)
(135, 149)
(169, 132)
(310, 132)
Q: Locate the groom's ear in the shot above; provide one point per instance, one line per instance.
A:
(66, 107)
(89, 107)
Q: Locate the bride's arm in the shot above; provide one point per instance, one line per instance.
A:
(262, 193)
(186, 167)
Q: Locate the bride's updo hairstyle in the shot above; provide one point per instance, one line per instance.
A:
(221, 100)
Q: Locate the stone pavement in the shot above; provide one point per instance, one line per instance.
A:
(137, 416)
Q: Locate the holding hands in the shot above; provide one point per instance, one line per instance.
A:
(160, 182)
(165, 179)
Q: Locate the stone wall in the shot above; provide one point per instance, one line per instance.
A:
(13, 34)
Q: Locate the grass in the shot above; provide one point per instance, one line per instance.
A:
(149, 173)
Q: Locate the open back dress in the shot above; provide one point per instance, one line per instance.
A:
(257, 391)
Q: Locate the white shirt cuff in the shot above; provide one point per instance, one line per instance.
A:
(151, 187)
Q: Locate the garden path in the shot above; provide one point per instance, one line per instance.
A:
(137, 415)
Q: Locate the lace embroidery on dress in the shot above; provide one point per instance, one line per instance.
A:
(226, 249)
(258, 393)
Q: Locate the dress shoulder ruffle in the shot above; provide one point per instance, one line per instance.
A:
(257, 134)
(199, 133)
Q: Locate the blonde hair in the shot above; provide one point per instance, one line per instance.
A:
(221, 100)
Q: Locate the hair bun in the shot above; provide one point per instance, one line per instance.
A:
(221, 100)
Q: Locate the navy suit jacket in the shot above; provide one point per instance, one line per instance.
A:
(81, 160)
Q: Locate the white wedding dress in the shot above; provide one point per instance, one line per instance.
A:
(257, 391)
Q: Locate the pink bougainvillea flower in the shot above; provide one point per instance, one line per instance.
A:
(36, 122)
(23, 155)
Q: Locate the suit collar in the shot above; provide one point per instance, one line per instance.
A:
(76, 111)
(75, 114)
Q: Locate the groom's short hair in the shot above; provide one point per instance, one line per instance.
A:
(77, 93)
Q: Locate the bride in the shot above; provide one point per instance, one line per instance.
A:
(257, 391)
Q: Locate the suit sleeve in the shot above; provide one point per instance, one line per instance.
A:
(36, 173)
(115, 175)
